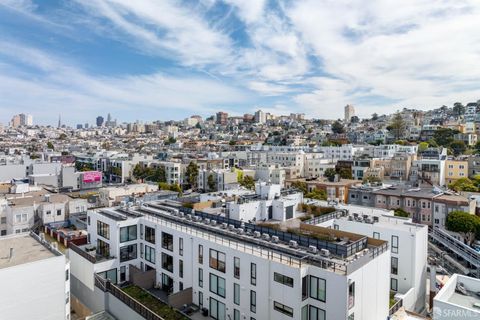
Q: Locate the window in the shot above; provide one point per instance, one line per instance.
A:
(253, 274)
(180, 268)
(128, 233)
(167, 241)
(103, 248)
(253, 301)
(217, 260)
(150, 235)
(317, 288)
(376, 235)
(217, 309)
(200, 277)
(200, 254)
(109, 274)
(180, 246)
(351, 295)
(315, 313)
(217, 285)
(167, 262)
(236, 267)
(236, 293)
(394, 265)
(280, 278)
(236, 314)
(3, 220)
(200, 299)
(394, 244)
(283, 308)
(128, 253)
(304, 287)
(150, 254)
(88, 220)
(67, 275)
(59, 212)
(180, 286)
(103, 229)
(393, 284)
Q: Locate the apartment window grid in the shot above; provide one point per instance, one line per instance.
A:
(103, 229)
(394, 265)
(236, 267)
(277, 306)
(180, 246)
(217, 285)
(253, 301)
(200, 277)
(217, 260)
(200, 254)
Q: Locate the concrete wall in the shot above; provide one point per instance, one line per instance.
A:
(12, 171)
(120, 310)
(177, 300)
(143, 279)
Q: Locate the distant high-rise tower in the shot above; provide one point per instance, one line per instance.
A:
(349, 112)
(99, 121)
(260, 117)
(21, 120)
(222, 118)
(59, 121)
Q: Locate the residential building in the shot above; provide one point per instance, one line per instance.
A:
(449, 303)
(35, 279)
(455, 169)
(221, 118)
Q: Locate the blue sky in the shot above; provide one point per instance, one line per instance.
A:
(162, 60)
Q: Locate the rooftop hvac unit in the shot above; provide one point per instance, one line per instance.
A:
(313, 249)
(206, 221)
(181, 214)
(240, 231)
(275, 239)
(368, 220)
(257, 234)
(197, 218)
(357, 255)
(224, 225)
(293, 244)
(213, 222)
(325, 252)
(231, 227)
(189, 216)
(350, 218)
(266, 236)
(365, 251)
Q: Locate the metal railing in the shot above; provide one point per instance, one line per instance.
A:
(396, 306)
(82, 253)
(323, 218)
(457, 247)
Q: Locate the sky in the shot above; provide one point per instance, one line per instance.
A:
(166, 60)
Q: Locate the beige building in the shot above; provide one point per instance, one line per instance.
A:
(455, 169)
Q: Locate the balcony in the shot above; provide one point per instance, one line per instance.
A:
(88, 252)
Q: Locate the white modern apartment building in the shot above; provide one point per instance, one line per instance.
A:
(270, 173)
(343, 152)
(408, 249)
(35, 280)
(451, 304)
(316, 164)
(238, 274)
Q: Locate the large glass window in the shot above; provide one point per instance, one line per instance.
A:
(217, 260)
(167, 241)
(253, 301)
(217, 309)
(280, 278)
(315, 313)
(217, 285)
(317, 288)
(236, 267)
(253, 274)
(304, 287)
(283, 308)
(394, 244)
(236, 293)
(103, 248)
(236, 314)
(200, 254)
(128, 233)
(109, 274)
(393, 284)
(180, 268)
(128, 253)
(180, 246)
(150, 235)
(103, 229)
(200, 277)
(394, 265)
(150, 254)
(167, 262)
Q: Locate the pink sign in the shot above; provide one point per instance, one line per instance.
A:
(92, 176)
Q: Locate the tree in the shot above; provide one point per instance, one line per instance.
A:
(62, 136)
(318, 194)
(330, 174)
(464, 223)
(422, 146)
(458, 108)
(50, 145)
(477, 147)
(458, 147)
(191, 173)
(354, 119)
(401, 213)
(372, 179)
(374, 117)
(345, 173)
(211, 182)
(337, 127)
(398, 126)
(444, 136)
(248, 182)
(463, 184)
(300, 185)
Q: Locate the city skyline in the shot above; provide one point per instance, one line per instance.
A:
(86, 59)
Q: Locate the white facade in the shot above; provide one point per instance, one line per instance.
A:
(408, 248)
(35, 280)
(237, 278)
(449, 304)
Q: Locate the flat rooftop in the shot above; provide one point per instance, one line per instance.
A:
(25, 249)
